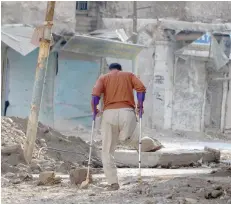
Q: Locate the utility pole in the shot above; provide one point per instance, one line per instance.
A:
(134, 25)
(44, 49)
(134, 29)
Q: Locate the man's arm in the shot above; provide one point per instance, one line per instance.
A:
(137, 84)
(140, 89)
(98, 89)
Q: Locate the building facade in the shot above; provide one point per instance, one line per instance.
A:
(183, 93)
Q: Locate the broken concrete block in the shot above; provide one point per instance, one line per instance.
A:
(35, 166)
(216, 193)
(16, 181)
(10, 175)
(45, 176)
(216, 153)
(164, 157)
(4, 182)
(77, 176)
(24, 176)
(14, 159)
(48, 178)
(5, 167)
(148, 202)
(191, 200)
(17, 149)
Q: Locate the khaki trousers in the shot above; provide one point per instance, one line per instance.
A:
(118, 125)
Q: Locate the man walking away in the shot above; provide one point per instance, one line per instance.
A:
(119, 120)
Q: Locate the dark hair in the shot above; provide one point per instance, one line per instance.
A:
(115, 66)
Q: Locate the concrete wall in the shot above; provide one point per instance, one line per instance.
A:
(205, 11)
(228, 113)
(190, 79)
(73, 86)
(213, 101)
(33, 13)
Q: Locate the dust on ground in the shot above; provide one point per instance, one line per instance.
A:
(183, 189)
(19, 181)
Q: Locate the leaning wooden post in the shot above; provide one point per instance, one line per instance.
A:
(38, 83)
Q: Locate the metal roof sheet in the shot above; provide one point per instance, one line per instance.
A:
(102, 47)
(18, 37)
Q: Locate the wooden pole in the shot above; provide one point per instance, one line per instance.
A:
(38, 83)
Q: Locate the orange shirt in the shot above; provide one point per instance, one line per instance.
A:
(117, 87)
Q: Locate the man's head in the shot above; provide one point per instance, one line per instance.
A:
(115, 66)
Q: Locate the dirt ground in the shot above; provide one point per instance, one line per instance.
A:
(209, 183)
(163, 186)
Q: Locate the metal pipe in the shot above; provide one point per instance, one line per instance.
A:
(38, 83)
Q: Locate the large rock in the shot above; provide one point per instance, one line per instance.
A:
(48, 178)
(77, 176)
(148, 145)
(34, 166)
(5, 167)
(16, 149)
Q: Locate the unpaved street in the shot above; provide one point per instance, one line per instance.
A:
(160, 186)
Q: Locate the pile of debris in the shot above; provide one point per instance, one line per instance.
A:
(53, 151)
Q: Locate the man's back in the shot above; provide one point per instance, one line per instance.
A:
(117, 87)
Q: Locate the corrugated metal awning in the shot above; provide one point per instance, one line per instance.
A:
(101, 47)
(18, 37)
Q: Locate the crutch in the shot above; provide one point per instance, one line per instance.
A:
(140, 99)
(95, 101)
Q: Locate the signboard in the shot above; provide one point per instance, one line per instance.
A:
(204, 39)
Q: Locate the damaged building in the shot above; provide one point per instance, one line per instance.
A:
(185, 65)
(187, 73)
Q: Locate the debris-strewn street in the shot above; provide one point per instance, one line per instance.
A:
(113, 102)
(206, 183)
(165, 188)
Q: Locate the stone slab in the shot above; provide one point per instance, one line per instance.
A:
(164, 157)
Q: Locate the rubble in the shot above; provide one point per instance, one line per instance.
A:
(77, 176)
(48, 178)
(51, 159)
